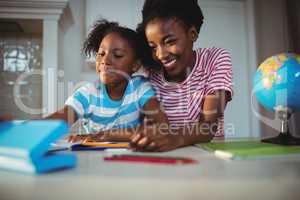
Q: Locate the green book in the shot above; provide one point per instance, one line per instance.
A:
(249, 149)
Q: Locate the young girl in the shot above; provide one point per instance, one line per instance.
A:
(193, 86)
(115, 104)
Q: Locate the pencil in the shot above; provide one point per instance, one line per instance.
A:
(150, 159)
(102, 144)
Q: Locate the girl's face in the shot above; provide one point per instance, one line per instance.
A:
(172, 45)
(115, 60)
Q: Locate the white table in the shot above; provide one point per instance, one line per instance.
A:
(212, 178)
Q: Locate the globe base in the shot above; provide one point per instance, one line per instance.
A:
(285, 139)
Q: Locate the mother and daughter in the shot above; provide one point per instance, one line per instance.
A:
(181, 101)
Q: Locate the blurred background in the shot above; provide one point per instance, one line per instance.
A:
(41, 61)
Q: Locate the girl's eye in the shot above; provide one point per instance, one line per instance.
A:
(101, 54)
(118, 55)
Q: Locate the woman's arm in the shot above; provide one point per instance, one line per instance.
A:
(203, 131)
(213, 107)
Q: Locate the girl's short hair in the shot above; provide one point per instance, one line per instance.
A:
(102, 27)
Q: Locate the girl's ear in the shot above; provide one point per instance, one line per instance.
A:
(193, 33)
(136, 65)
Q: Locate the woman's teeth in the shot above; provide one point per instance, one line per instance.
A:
(169, 63)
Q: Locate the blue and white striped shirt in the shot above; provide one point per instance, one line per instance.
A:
(92, 102)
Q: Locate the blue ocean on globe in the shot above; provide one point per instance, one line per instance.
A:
(277, 82)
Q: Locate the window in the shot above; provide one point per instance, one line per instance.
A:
(20, 53)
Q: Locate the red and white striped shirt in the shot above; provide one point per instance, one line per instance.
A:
(182, 102)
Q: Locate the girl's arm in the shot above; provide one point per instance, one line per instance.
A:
(6, 118)
(203, 131)
(66, 113)
(152, 113)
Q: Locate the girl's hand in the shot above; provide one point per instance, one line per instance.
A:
(77, 138)
(6, 118)
(88, 137)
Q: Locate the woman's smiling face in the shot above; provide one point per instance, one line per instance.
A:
(172, 45)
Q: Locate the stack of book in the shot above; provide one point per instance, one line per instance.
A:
(24, 146)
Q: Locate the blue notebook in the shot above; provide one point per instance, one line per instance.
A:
(24, 146)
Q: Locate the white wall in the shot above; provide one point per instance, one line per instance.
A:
(226, 25)
(125, 12)
(71, 36)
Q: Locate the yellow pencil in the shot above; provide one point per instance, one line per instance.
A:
(104, 144)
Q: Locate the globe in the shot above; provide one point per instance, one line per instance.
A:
(277, 82)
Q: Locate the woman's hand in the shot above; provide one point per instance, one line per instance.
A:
(155, 134)
(153, 140)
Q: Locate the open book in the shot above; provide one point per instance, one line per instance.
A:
(24, 146)
(89, 146)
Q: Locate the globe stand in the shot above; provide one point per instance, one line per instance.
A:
(284, 137)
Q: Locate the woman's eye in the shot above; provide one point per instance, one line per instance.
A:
(170, 42)
(153, 48)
